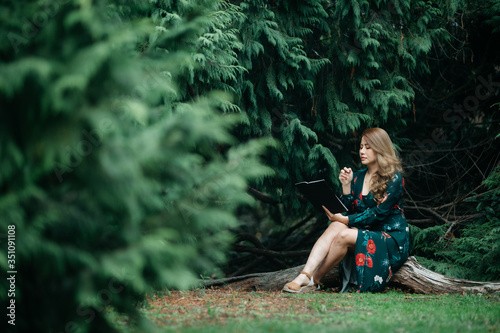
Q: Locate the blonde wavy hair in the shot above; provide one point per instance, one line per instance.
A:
(387, 158)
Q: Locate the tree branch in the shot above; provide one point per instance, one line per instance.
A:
(270, 253)
(262, 196)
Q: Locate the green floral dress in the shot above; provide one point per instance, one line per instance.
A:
(383, 239)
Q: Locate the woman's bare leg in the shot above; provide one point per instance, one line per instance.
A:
(344, 240)
(319, 252)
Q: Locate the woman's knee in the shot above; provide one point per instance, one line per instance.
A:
(331, 233)
(336, 227)
(347, 237)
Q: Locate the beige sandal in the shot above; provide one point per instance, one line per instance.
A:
(293, 287)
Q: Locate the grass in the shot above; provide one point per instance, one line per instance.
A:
(235, 311)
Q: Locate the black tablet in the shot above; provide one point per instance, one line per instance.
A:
(320, 194)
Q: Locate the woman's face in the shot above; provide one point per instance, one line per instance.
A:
(366, 153)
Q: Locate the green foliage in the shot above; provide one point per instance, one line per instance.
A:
(114, 185)
(214, 48)
(478, 248)
(308, 73)
(449, 158)
(474, 254)
(492, 7)
(318, 72)
(121, 164)
(375, 48)
(424, 240)
(279, 79)
(493, 183)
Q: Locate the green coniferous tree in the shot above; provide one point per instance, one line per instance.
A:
(214, 63)
(318, 72)
(277, 87)
(458, 114)
(113, 185)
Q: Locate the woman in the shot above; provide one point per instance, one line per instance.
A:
(372, 241)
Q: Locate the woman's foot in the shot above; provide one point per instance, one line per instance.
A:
(301, 282)
(317, 286)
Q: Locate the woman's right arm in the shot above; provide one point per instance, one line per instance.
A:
(345, 178)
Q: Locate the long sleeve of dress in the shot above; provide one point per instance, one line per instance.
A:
(372, 216)
(348, 201)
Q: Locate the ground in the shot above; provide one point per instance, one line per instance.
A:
(226, 310)
(219, 305)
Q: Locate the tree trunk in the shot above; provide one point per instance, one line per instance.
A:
(412, 277)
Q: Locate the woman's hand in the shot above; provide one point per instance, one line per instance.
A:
(336, 217)
(345, 176)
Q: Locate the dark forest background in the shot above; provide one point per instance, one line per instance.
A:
(148, 144)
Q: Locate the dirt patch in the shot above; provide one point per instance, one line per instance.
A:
(204, 306)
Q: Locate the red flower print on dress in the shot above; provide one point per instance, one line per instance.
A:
(396, 207)
(355, 179)
(371, 246)
(369, 262)
(360, 259)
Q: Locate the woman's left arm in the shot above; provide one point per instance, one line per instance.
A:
(371, 216)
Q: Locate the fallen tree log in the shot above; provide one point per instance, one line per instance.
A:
(412, 277)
